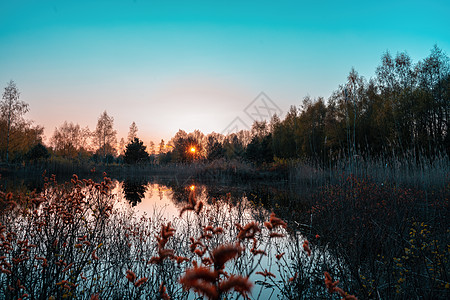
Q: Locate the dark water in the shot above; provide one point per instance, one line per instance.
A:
(143, 192)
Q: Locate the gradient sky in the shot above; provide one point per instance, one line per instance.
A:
(197, 64)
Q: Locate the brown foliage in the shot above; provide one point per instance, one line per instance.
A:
(131, 276)
(224, 253)
(202, 280)
(306, 247)
(333, 288)
(248, 231)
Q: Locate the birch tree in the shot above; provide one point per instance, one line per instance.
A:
(12, 109)
(105, 135)
(132, 134)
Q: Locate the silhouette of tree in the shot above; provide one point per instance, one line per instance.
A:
(38, 153)
(135, 152)
(260, 149)
(186, 148)
(233, 147)
(214, 148)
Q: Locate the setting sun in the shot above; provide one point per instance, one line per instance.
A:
(192, 149)
(192, 187)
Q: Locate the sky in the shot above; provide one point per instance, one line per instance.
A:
(170, 65)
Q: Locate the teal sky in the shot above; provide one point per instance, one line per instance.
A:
(197, 64)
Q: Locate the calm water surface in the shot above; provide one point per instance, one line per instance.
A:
(224, 206)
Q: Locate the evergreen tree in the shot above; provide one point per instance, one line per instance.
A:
(135, 152)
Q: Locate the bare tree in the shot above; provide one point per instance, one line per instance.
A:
(161, 147)
(133, 132)
(12, 109)
(105, 135)
(122, 147)
(70, 139)
(151, 148)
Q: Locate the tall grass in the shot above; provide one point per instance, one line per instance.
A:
(392, 241)
(408, 170)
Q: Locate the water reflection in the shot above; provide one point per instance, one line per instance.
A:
(226, 206)
(168, 198)
(134, 190)
(258, 194)
(156, 203)
(22, 184)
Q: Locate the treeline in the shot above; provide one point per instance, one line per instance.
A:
(22, 142)
(404, 109)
